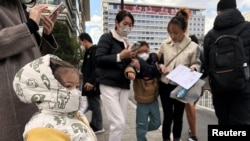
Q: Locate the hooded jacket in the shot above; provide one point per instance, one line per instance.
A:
(226, 22)
(35, 83)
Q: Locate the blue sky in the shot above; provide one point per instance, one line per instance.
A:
(93, 27)
(95, 9)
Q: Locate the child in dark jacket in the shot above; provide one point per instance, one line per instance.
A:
(144, 72)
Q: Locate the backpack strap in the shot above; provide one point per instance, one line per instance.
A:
(178, 54)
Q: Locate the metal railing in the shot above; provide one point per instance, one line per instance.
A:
(206, 100)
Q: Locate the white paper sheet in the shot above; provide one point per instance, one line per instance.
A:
(183, 76)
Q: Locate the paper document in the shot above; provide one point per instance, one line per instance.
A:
(183, 76)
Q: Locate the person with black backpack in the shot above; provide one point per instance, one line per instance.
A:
(226, 50)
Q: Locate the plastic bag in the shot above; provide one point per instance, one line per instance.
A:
(193, 93)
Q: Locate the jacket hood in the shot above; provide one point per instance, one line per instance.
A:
(35, 83)
(228, 19)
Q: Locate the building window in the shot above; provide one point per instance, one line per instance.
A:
(115, 7)
(111, 7)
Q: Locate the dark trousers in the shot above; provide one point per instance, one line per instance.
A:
(232, 107)
(94, 104)
(173, 112)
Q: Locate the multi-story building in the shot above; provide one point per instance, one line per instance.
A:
(151, 21)
(75, 14)
(247, 16)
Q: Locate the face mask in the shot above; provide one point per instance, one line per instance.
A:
(75, 92)
(69, 102)
(82, 47)
(144, 56)
(124, 31)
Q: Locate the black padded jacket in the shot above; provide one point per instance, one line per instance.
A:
(108, 70)
(226, 22)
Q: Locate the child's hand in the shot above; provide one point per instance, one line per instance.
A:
(131, 76)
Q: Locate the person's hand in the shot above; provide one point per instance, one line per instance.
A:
(131, 76)
(35, 12)
(88, 86)
(127, 53)
(48, 25)
(164, 70)
(192, 69)
(54, 16)
(134, 52)
(135, 63)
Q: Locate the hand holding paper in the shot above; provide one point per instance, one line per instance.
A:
(183, 76)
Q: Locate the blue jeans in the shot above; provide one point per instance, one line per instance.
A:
(94, 104)
(147, 119)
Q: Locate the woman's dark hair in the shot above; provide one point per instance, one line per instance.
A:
(180, 19)
(122, 14)
(28, 1)
(32, 3)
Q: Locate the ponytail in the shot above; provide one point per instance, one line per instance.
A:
(181, 18)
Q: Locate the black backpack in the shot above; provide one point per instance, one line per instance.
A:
(228, 63)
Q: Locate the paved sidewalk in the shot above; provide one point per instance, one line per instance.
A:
(204, 118)
(129, 134)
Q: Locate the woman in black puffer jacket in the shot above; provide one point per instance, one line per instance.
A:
(112, 56)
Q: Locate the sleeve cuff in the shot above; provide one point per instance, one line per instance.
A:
(49, 38)
(118, 59)
(33, 27)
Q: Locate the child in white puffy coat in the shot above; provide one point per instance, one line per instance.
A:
(53, 85)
